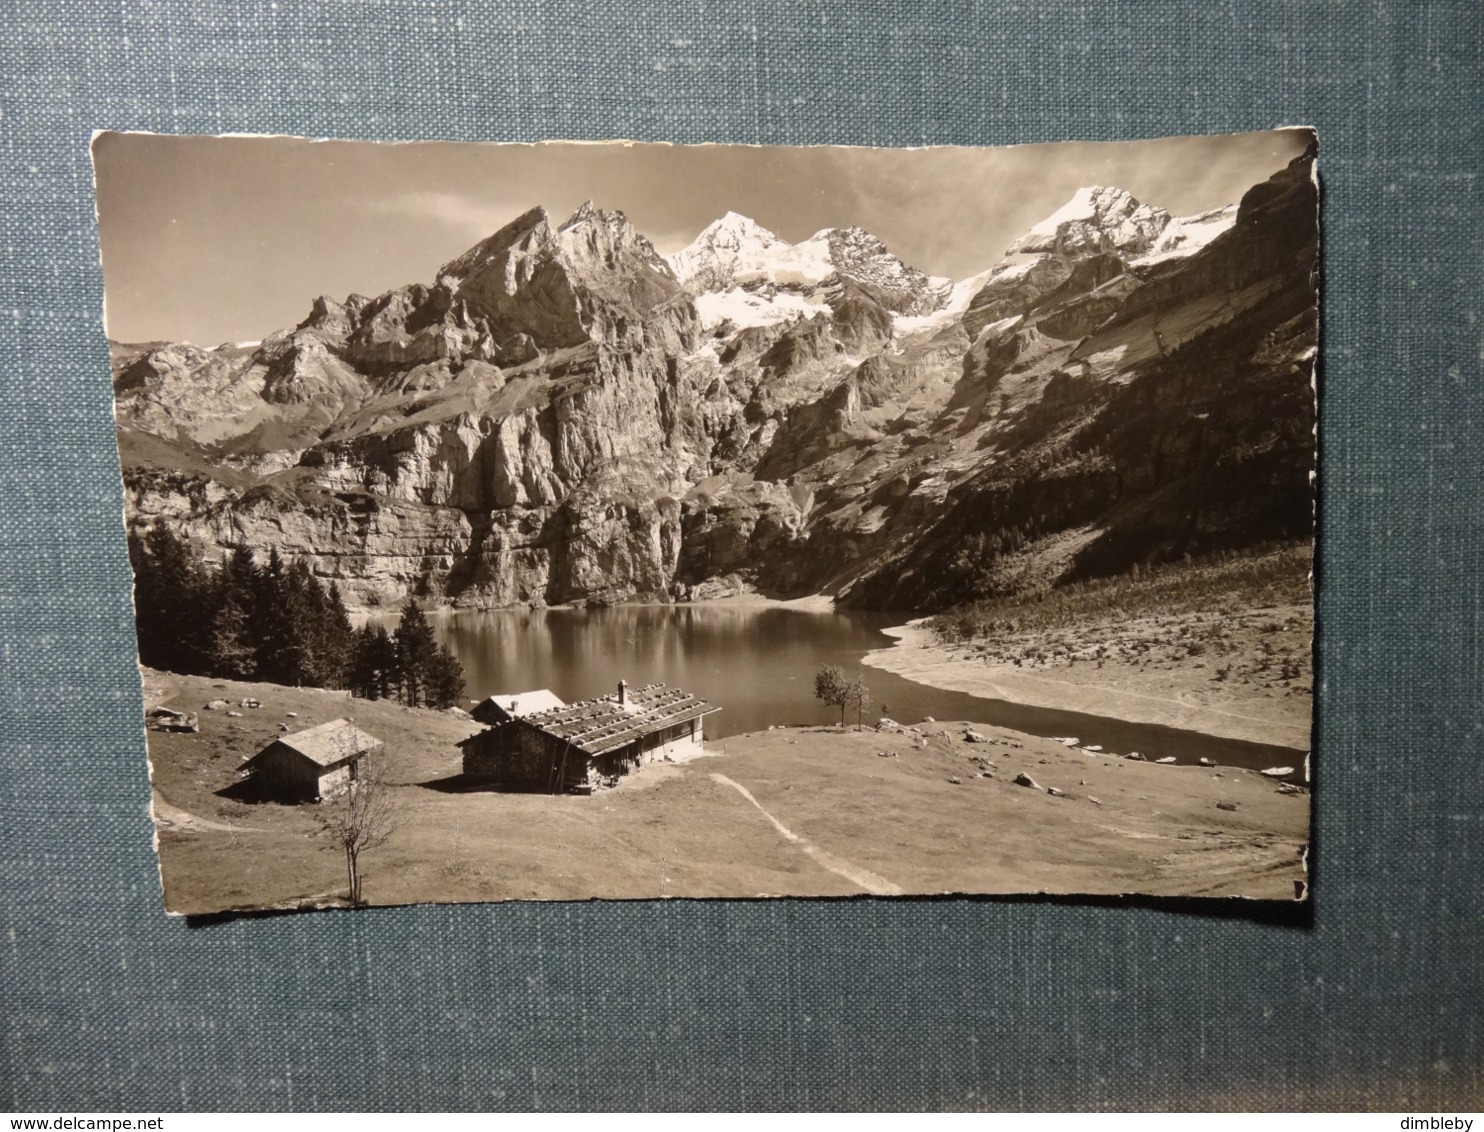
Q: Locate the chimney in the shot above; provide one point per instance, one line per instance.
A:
(623, 693)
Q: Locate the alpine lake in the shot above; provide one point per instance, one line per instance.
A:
(757, 663)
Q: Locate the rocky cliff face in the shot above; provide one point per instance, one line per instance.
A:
(565, 415)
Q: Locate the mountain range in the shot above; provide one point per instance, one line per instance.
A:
(565, 415)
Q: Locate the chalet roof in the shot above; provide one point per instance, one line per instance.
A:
(328, 743)
(526, 703)
(600, 725)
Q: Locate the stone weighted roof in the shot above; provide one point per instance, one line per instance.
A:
(600, 725)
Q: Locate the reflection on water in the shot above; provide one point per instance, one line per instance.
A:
(758, 664)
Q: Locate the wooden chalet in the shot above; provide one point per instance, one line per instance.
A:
(311, 765)
(502, 707)
(589, 745)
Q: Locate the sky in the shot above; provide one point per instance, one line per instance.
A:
(227, 239)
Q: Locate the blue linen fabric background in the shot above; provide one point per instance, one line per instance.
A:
(108, 1004)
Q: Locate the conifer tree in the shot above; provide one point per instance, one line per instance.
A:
(229, 651)
(416, 653)
(171, 602)
(338, 639)
(276, 635)
(445, 680)
(373, 665)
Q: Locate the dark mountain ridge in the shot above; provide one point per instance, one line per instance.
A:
(565, 415)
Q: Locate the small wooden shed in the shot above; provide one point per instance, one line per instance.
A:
(589, 745)
(311, 765)
(502, 707)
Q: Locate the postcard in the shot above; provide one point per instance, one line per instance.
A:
(630, 521)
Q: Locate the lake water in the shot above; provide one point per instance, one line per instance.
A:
(758, 664)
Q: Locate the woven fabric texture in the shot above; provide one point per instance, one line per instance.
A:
(105, 1003)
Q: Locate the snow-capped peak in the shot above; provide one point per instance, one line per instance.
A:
(736, 230)
(1097, 218)
(1086, 203)
(1185, 235)
(712, 257)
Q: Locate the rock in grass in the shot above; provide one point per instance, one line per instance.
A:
(1053, 791)
(1023, 779)
(974, 737)
(1094, 801)
(1230, 806)
(955, 780)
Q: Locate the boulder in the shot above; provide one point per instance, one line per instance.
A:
(974, 737)
(1206, 762)
(167, 719)
(1276, 772)
(216, 705)
(1230, 806)
(955, 780)
(1023, 779)
(1168, 760)
(1053, 791)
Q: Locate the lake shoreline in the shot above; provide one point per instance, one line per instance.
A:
(810, 603)
(917, 655)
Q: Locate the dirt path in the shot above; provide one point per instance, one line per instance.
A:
(871, 882)
(168, 815)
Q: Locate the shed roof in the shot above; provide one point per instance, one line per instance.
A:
(524, 703)
(329, 743)
(600, 725)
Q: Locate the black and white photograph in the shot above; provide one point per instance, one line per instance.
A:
(619, 520)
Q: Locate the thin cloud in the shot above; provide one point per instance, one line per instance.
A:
(468, 215)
